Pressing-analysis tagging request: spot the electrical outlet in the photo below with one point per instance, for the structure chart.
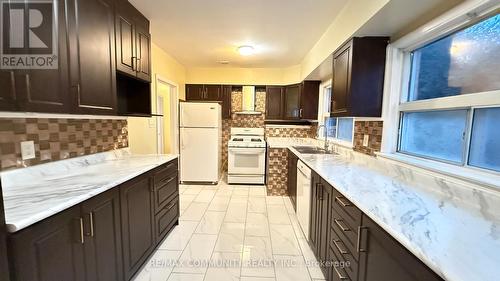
(151, 123)
(27, 150)
(366, 138)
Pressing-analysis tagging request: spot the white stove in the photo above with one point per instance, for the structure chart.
(247, 137)
(246, 156)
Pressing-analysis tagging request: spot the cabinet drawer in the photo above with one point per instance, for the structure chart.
(348, 234)
(166, 219)
(165, 190)
(346, 210)
(341, 251)
(164, 172)
(337, 269)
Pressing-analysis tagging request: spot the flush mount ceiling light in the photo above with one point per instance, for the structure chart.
(246, 50)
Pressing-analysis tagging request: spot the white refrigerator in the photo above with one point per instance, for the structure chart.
(200, 142)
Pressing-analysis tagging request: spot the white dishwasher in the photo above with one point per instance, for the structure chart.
(303, 196)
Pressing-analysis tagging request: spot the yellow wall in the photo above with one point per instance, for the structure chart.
(142, 131)
(243, 76)
(350, 19)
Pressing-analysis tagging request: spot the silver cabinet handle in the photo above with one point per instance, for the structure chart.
(341, 202)
(81, 231)
(358, 242)
(343, 228)
(138, 63)
(300, 113)
(134, 63)
(91, 217)
(341, 277)
(337, 244)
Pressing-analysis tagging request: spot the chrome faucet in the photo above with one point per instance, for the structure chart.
(326, 136)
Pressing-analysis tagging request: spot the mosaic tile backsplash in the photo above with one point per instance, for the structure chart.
(374, 130)
(57, 139)
(277, 171)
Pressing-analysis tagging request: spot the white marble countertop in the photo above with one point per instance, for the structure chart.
(453, 229)
(278, 142)
(35, 193)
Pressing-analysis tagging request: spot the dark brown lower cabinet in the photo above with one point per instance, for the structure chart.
(292, 178)
(105, 238)
(103, 248)
(352, 246)
(137, 223)
(4, 264)
(383, 258)
(319, 234)
(49, 250)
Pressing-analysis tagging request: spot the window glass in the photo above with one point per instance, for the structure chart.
(462, 63)
(331, 126)
(345, 129)
(434, 134)
(485, 141)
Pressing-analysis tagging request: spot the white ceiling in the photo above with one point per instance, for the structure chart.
(200, 33)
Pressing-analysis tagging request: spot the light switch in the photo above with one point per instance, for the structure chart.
(27, 150)
(366, 138)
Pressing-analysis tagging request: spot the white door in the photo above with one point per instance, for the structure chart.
(160, 127)
(198, 115)
(199, 155)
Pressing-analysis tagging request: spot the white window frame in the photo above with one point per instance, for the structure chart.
(396, 91)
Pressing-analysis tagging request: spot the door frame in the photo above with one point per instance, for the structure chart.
(174, 114)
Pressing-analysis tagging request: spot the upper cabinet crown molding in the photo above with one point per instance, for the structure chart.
(358, 77)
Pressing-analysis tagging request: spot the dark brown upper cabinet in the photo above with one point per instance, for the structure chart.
(42, 90)
(292, 102)
(309, 98)
(274, 102)
(358, 77)
(91, 29)
(133, 42)
(194, 92)
(204, 92)
(226, 101)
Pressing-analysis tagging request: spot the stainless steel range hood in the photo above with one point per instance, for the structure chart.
(248, 101)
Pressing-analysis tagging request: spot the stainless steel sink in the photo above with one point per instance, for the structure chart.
(311, 150)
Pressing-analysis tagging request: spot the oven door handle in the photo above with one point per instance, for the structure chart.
(247, 151)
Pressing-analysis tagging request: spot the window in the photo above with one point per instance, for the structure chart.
(452, 103)
(345, 129)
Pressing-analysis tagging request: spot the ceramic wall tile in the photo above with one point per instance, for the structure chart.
(57, 139)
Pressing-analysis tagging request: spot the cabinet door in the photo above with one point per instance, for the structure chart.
(4, 265)
(137, 213)
(315, 214)
(309, 98)
(8, 94)
(292, 178)
(274, 102)
(292, 102)
(49, 250)
(92, 56)
(143, 48)
(226, 101)
(43, 90)
(385, 259)
(194, 92)
(103, 250)
(325, 202)
(125, 39)
(341, 80)
(213, 92)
